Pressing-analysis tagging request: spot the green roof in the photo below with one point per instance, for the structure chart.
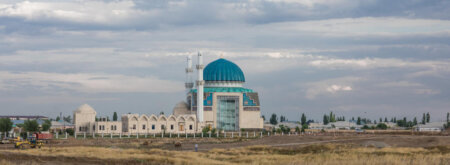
(224, 89)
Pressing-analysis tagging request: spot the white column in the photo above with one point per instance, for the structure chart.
(200, 84)
(189, 83)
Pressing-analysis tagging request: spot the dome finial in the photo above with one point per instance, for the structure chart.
(221, 55)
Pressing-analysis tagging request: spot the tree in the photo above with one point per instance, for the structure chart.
(70, 131)
(115, 116)
(264, 118)
(304, 126)
(381, 119)
(273, 119)
(303, 119)
(448, 117)
(424, 119)
(415, 121)
(385, 119)
(332, 117)
(5, 125)
(31, 125)
(381, 126)
(428, 117)
(161, 113)
(46, 125)
(282, 118)
(67, 119)
(353, 118)
(325, 120)
(358, 122)
(297, 129)
(395, 120)
(58, 118)
(365, 127)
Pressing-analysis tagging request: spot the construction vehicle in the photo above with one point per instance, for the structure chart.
(30, 142)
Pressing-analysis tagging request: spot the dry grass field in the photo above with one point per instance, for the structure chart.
(376, 149)
(311, 154)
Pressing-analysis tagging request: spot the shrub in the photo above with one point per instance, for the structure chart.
(213, 131)
(70, 131)
(297, 129)
(381, 126)
(205, 130)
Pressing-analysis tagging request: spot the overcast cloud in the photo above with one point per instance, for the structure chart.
(371, 58)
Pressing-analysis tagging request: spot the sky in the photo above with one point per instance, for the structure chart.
(369, 58)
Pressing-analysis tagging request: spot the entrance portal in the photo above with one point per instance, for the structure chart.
(228, 113)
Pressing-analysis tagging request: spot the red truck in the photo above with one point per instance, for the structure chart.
(43, 136)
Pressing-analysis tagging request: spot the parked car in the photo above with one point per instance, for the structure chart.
(359, 130)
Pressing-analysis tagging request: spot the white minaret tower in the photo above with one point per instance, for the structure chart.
(200, 84)
(189, 83)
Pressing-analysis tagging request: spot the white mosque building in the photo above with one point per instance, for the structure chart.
(224, 104)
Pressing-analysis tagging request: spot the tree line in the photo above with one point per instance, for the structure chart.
(331, 118)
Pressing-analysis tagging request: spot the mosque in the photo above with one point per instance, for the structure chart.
(223, 104)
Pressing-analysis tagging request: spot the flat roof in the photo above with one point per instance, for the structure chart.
(23, 116)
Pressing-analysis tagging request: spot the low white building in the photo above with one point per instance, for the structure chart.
(430, 127)
(84, 121)
(344, 125)
(107, 127)
(135, 123)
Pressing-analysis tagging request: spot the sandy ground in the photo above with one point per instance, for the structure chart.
(278, 141)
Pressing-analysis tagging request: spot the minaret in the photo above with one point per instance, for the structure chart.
(200, 84)
(189, 84)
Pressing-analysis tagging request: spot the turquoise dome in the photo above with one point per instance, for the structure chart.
(223, 70)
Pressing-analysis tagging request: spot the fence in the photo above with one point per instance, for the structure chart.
(249, 135)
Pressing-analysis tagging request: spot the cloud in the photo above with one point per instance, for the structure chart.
(371, 63)
(86, 82)
(412, 87)
(96, 12)
(330, 87)
(335, 88)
